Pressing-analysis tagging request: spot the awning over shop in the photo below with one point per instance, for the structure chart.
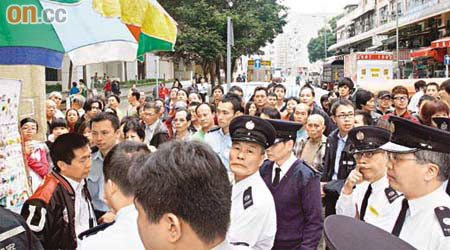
(436, 53)
(334, 59)
(441, 43)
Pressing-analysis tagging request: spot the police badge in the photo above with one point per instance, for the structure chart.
(250, 125)
(360, 136)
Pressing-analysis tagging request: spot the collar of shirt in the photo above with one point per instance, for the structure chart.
(340, 138)
(284, 167)
(153, 126)
(242, 185)
(380, 184)
(124, 212)
(96, 167)
(416, 205)
(77, 186)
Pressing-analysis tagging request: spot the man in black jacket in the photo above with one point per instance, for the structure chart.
(61, 207)
(338, 162)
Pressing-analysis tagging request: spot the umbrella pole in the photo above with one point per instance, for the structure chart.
(157, 77)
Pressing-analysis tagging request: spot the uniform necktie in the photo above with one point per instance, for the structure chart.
(401, 218)
(276, 180)
(364, 202)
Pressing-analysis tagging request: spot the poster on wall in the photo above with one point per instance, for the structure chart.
(14, 188)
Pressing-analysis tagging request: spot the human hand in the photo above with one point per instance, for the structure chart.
(355, 177)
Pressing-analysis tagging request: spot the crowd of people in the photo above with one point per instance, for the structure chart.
(157, 175)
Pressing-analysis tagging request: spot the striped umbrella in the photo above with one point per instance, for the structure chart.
(86, 35)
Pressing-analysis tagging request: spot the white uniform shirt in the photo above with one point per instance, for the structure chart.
(83, 209)
(123, 234)
(380, 212)
(253, 216)
(421, 228)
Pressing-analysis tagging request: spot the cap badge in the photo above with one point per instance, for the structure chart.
(360, 136)
(250, 125)
(444, 126)
(446, 221)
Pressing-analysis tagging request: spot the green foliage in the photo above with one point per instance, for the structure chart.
(53, 87)
(316, 46)
(202, 27)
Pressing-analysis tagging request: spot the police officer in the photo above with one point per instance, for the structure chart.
(444, 124)
(219, 138)
(419, 157)
(253, 215)
(15, 233)
(295, 187)
(366, 193)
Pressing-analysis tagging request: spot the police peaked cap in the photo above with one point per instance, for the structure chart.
(249, 128)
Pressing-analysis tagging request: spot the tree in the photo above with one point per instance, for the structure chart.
(202, 31)
(316, 46)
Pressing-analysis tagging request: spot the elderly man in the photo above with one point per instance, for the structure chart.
(419, 165)
(50, 107)
(253, 215)
(57, 98)
(312, 149)
(366, 194)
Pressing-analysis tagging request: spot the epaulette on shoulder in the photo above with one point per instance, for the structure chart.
(94, 230)
(443, 216)
(45, 191)
(214, 130)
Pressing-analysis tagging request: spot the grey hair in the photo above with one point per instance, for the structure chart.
(438, 158)
(55, 93)
(79, 99)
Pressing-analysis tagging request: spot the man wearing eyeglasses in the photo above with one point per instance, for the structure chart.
(338, 162)
(419, 165)
(400, 99)
(366, 194)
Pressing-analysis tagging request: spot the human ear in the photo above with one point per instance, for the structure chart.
(173, 225)
(431, 172)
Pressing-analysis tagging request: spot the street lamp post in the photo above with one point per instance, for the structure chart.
(397, 40)
(229, 44)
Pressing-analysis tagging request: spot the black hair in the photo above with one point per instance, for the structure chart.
(136, 126)
(74, 84)
(188, 114)
(247, 107)
(433, 84)
(186, 179)
(420, 84)
(217, 87)
(106, 116)
(259, 88)
(272, 113)
(424, 98)
(445, 85)
(72, 109)
(211, 107)
(136, 94)
(193, 104)
(235, 100)
(362, 96)
(346, 81)
(64, 146)
(323, 98)
(280, 86)
(307, 86)
(367, 119)
(292, 98)
(185, 91)
(115, 97)
(117, 163)
(88, 104)
(272, 94)
(340, 102)
(236, 88)
(28, 119)
(81, 126)
(58, 122)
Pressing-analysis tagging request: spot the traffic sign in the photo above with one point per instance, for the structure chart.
(447, 60)
(257, 63)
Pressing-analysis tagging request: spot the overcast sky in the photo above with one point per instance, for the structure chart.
(318, 6)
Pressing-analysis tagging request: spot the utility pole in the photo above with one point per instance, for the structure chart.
(397, 40)
(230, 43)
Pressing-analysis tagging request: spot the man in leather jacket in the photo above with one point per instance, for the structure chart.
(61, 207)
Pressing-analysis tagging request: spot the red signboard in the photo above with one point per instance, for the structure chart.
(441, 43)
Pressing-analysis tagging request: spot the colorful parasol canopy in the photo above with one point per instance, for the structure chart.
(85, 35)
